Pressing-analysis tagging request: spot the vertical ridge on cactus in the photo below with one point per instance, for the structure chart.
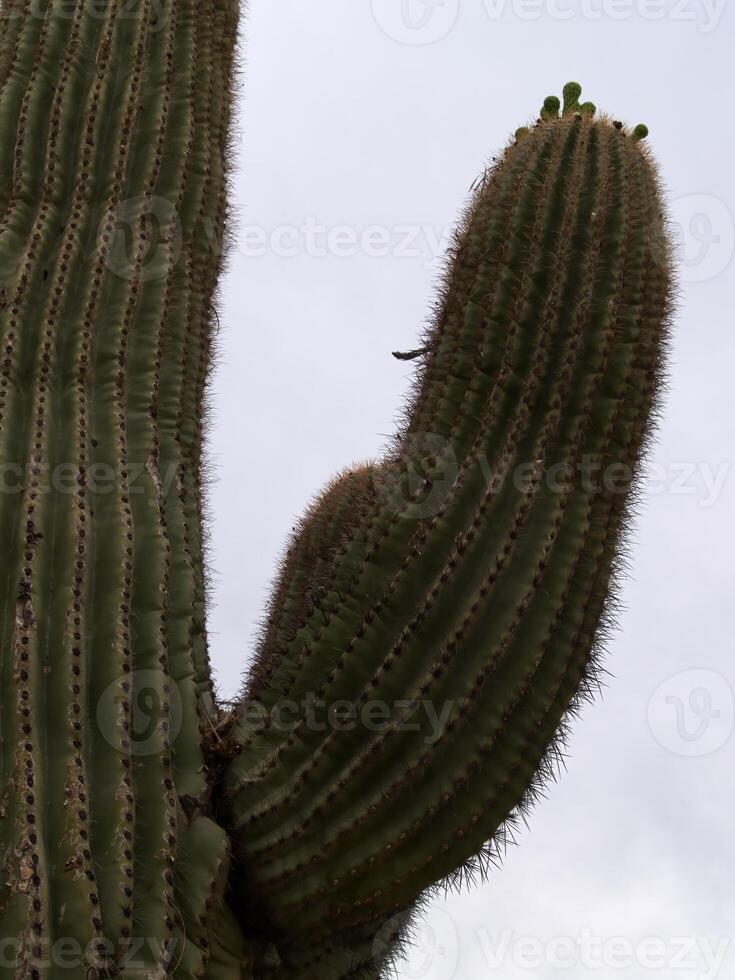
(437, 616)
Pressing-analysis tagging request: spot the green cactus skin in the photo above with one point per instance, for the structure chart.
(487, 595)
(114, 120)
(225, 845)
(308, 564)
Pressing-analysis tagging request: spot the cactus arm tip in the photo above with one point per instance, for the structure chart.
(572, 92)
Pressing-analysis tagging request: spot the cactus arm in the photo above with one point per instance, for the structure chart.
(308, 564)
(212, 944)
(547, 349)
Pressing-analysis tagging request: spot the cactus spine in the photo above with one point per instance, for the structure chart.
(447, 599)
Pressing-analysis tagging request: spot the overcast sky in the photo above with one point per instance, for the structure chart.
(360, 128)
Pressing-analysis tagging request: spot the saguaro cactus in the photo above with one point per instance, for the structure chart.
(438, 611)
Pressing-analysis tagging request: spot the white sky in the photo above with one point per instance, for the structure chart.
(351, 120)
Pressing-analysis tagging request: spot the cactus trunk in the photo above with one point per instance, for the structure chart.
(114, 122)
(439, 612)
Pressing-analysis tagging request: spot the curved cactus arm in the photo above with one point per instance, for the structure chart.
(112, 183)
(211, 942)
(427, 688)
(308, 563)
